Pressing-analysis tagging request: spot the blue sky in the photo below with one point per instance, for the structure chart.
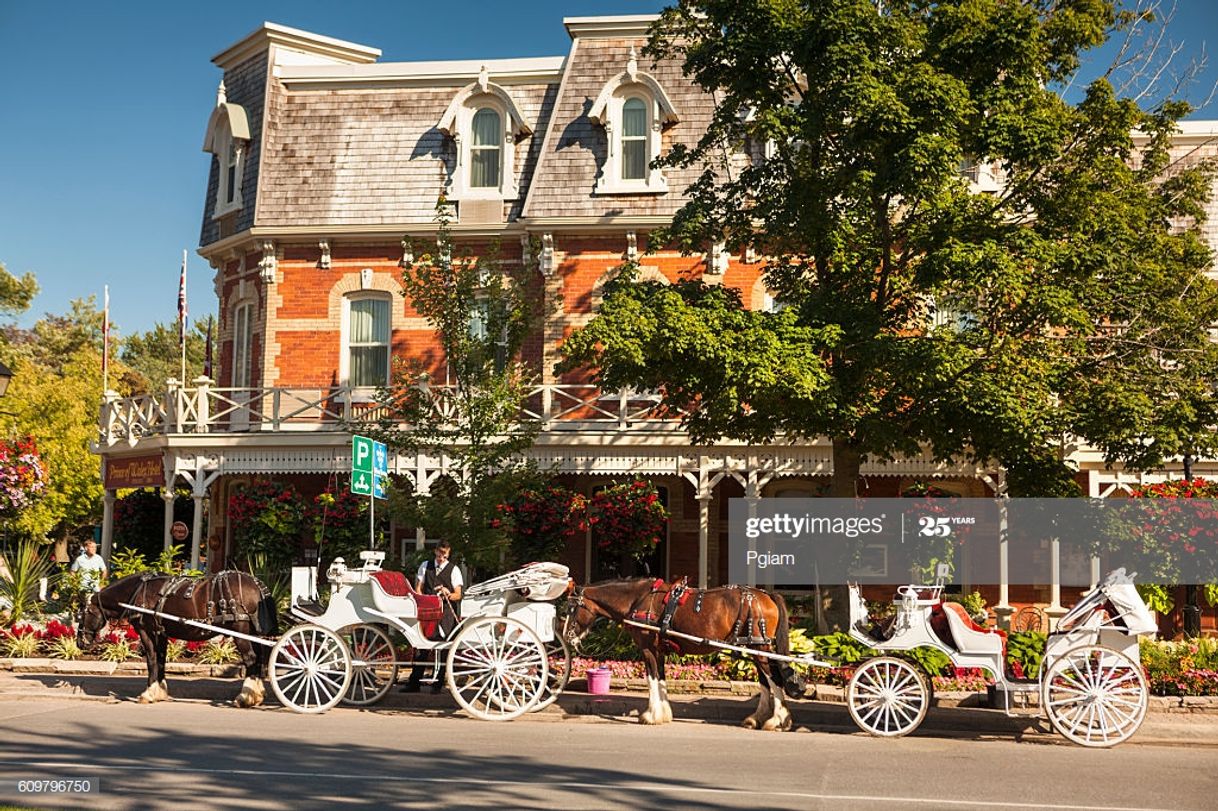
(101, 170)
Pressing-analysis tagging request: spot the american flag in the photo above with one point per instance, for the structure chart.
(182, 312)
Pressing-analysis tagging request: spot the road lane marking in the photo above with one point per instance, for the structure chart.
(562, 784)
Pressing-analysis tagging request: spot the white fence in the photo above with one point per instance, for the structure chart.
(206, 409)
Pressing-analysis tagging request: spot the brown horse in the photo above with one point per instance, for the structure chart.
(737, 615)
(232, 600)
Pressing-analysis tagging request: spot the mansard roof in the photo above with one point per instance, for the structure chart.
(345, 140)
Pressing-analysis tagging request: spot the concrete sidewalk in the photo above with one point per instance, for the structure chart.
(1190, 729)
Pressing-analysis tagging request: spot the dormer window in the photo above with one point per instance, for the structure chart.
(634, 139)
(486, 149)
(633, 108)
(228, 134)
(485, 125)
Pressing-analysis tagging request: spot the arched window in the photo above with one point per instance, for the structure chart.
(367, 341)
(634, 139)
(231, 154)
(241, 345)
(486, 149)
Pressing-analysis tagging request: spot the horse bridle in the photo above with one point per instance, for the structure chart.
(575, 602)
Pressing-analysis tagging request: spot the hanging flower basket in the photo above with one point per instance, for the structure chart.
(22, 475)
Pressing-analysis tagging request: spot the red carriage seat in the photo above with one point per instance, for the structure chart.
(429, 607)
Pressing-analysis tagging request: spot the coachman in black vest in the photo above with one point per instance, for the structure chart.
(439, 576)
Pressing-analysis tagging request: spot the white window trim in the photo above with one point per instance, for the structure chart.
(607, 111)
(243, 370)
(228, 126)
(362, 393)
(457, 122)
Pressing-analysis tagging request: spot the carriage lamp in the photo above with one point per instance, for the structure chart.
(6, 375)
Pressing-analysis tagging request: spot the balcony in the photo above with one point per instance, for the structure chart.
(206, 409)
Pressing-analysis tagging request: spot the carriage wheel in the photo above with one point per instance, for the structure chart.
(1095, 696)
(558, 654)
(310, 668)
(373, 661)
(887, 697)
(497, 668)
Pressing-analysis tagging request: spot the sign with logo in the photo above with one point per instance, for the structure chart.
(135, 471)
(179, 531)
(369, 466)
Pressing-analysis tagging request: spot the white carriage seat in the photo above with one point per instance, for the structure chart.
(392, 594)
(969, 638)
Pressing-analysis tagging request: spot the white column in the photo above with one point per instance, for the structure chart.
(196, 524)
(167, 496)
(107, 543)
(704, 500)
(1003, 610)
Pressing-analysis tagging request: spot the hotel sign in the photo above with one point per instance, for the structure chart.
(135, 471)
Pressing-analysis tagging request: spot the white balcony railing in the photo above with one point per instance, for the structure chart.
(207, 409)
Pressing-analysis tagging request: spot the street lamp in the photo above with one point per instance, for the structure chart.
(6, 374)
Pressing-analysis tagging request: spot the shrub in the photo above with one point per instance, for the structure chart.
(64, 647)
(340, 526)
(175, 650)
(219, 652)
(540, 520)
(1025, 650)
(19, 579)
(117, 651)
(1188, 668)
(268, 519)
(22, 646)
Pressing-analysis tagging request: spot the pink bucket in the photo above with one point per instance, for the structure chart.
(598, 680)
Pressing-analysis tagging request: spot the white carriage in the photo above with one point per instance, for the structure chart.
(1091, 684)
(503, 658)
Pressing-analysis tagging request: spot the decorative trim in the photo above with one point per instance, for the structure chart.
(324, 261)
(456, 123)
(407, 253)
(717, 259)
(267, 34)
(632, 247)
(269, 263)
(545, 258)
(607, 112)
(622, 25)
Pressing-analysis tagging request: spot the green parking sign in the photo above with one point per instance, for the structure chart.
(369, 466)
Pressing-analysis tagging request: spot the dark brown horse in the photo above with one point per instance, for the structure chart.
(737, 615)
(232, 600)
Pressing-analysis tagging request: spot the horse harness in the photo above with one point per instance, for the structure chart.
(749, 629)
(228, 608)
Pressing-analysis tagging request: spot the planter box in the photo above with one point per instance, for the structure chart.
(84, 667)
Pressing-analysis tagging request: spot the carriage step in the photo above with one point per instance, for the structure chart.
(312, 608)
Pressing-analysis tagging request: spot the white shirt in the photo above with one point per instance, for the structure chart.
(93, 567)
(458, 581)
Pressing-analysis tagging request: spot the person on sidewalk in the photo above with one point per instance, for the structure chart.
(438, 576)
(94, 568)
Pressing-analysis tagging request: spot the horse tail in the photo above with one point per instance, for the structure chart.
(792, 682)
(268, 613)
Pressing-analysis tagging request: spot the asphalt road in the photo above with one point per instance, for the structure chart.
(200, 754)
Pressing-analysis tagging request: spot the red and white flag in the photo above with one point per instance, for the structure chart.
(182, 312)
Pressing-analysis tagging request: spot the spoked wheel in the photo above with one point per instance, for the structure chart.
(310, 668)
(887, 697)
(558, 655)
(1095, 696)
(374, 665)
(497, 668)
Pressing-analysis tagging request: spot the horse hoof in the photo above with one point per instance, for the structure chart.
(749, 723)
(648, 719)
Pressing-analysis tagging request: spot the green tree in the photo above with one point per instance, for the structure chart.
(16, 293)
(54, 397)
(482, 310)
(919, 312)
(155, 356)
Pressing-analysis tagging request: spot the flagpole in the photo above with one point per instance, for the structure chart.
(182, 316)
(106, 341)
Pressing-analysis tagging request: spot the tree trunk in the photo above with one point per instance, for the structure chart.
(846, 462)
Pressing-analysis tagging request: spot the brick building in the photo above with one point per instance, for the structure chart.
(326, 165)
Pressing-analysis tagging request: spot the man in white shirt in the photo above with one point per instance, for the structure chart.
(92, 565)
(440, 576)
